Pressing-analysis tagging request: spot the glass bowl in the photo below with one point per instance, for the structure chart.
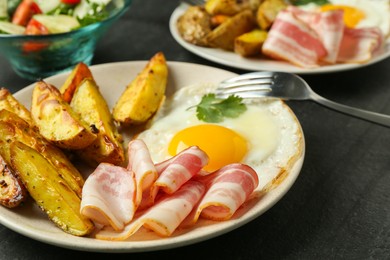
(38, 56)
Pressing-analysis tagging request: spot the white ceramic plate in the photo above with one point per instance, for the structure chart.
(258, 64)
(112, 79)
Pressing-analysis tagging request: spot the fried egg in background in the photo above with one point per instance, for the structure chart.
(359, 13)
(267, 136)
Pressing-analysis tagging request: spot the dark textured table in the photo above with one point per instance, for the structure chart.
(339, 207)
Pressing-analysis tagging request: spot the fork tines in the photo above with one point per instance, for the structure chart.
(246, 85)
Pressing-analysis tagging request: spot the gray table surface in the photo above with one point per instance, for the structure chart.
(338, 208)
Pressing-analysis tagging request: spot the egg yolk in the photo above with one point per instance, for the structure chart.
(352, 16)
(222, 145)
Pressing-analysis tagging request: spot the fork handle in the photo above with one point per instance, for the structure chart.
(356, 112)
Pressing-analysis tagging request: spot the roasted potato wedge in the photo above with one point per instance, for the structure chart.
(226, 7)
(12, 190)
(56, 120)
(249, 44)
(13, 128)
(48, 189)
(89, 103)
(224, 35)
(267, 12)
(8, 102)
(79, 73)
(144, 95)
(194, 25)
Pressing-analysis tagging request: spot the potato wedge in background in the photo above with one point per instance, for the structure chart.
(143, 96)
(249, 44)
(267, 12)
(224, 35)
(12, 190)
(89, 103)
(226, 7)
(14, 128)
(49, 190)
(78, 74)
(194, 25)
(8, 102)
(56, 120)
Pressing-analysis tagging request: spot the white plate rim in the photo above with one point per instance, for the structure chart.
(50, 234)
(258, 64)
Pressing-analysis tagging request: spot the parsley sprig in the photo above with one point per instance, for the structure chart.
(213, 110)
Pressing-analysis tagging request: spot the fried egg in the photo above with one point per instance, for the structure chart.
(360, 13)
(267, 136)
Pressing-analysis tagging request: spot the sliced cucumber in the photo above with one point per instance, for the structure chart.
(3, 9)
(58, 23)
(11, 28)
(47, 5)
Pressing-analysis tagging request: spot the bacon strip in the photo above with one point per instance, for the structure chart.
(165, 216)
(358, 45)
(293, 40)
(178, 170)
(227, 189)
(108, 196)
(140, 162)
(329, 27)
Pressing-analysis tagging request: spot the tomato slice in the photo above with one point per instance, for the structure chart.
(25, 10)
(35, 28)
(71, 2)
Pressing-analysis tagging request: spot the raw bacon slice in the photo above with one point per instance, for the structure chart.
(292, 40)
(329, 27)
(227, 189)
(108, 196)
(165, 216)
(140, 162)
(359, 44)
(178, 170)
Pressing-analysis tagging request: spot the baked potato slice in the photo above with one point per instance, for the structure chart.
(194, 25)
(13, 128)
(144, 95)
(48, 189)
(56, 120)
(224, 35)
(12, 190)
(250, 43)
(8, 102)
(89, 103)
(226, 7)
(78, 74)
(267, 12)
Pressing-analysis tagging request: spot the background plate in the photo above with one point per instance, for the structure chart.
(234, 60)
(112, 79)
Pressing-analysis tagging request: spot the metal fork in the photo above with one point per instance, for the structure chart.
(288, 86)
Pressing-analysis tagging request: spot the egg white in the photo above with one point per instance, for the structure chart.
(274, 136)
(377, 12)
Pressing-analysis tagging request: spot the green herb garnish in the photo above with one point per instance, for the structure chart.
(213, 110)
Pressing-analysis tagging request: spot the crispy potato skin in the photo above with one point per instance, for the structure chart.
(89, 103)
(143, 96)
(13, 128)
(56, 120)
(8, 102)
(79, 73)
(48, 189)
(224, 35)
(12, 190)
